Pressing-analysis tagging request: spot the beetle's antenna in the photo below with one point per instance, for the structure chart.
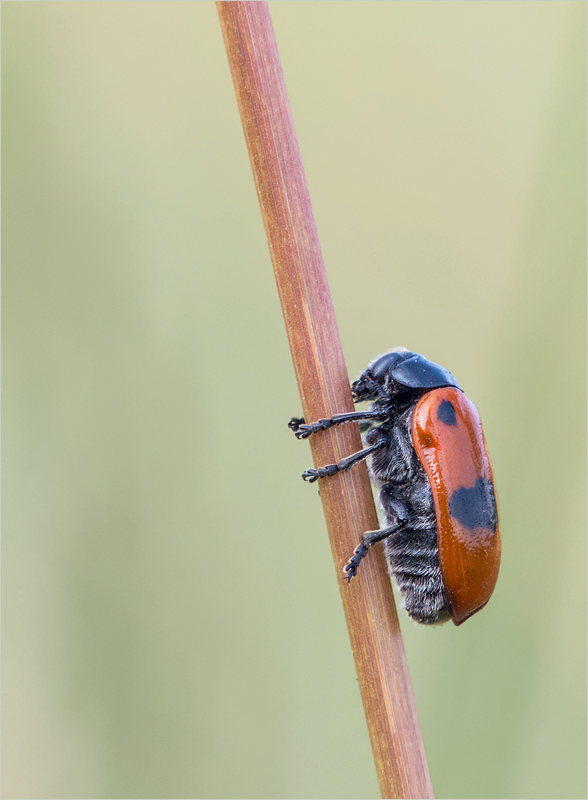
(323, 383)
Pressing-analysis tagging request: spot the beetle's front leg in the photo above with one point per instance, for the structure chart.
(303, 431)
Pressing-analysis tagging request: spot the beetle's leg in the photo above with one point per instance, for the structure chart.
(312, 475)
(302, 431)
(370, 538)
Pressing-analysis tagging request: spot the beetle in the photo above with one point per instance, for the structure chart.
(428, 458)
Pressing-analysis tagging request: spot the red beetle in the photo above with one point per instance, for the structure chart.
(436, 488)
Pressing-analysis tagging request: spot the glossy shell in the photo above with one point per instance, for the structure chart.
(449, 441)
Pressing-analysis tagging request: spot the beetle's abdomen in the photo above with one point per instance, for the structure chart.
(449, 442)
(411, 550)
(413, 561)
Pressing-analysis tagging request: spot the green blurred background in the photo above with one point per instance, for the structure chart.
(161, 637)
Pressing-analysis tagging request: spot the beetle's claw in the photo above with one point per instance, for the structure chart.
(350, 569)
(295, 423)
(310, 475)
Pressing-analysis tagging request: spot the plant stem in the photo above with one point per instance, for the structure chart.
(323, 383)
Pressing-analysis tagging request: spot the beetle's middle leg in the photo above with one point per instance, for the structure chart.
(312, 475)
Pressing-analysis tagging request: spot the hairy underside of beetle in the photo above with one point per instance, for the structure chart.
(411, 548)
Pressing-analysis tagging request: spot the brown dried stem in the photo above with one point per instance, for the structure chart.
(323, 383)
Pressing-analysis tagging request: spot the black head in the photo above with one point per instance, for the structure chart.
(399, 369)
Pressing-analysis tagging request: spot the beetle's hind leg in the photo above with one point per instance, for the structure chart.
(370, 538)
(312, 475)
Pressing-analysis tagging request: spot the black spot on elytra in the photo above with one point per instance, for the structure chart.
(475, 507)
(446, 413)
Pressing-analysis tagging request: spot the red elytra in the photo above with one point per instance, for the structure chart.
(456, 461)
